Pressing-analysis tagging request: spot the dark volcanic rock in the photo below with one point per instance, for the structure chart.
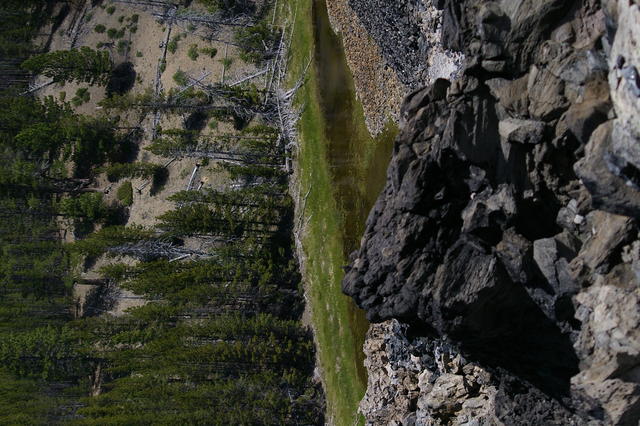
(485, 237)
(601, 173)
(400, 40)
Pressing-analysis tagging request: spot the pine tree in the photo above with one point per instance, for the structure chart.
(83, 65)
(49, 353)
(118, 171)
(88, 206)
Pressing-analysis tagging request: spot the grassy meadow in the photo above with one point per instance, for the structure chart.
(330, 228)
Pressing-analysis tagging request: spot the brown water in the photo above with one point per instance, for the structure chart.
(358, 162)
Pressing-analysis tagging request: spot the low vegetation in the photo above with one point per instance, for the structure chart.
(209, 51)
(172, 47)
(82, 96)
(192, 53)
(217, 334)
(180, 77)
(125, 193)
(83, 65)
(339, 327)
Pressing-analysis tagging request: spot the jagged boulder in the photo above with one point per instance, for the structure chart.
(507, 230)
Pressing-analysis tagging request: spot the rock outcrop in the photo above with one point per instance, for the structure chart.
(377, 85)
(392, 48)
(502, 259)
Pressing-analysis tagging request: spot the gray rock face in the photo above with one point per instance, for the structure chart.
(521, 131)
(506, 234)
(398, 39)
(427, 381)
(408, 34)
(603, 174)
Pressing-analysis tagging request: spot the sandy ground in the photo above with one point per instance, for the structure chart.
(377, 86)
(142, 36)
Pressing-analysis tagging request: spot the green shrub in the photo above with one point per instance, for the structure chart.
(139, 54)
(111, 9)
(193, 52)
(112, 33)
(163, 66)
(120, 33)
(125, 193)
(82, 96)
(133, 29)
(121, 19)
(134, 18)
(173, 44)
(63, 96)
(209, 51)
(180, 77)
(122, 46)
(226, 62)
(83, 92)
(99, 28)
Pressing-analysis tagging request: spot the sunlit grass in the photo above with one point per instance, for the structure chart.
(322, 242)
(339, 327)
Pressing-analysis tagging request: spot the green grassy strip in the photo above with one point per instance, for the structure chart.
(339, 330)
(323, 241)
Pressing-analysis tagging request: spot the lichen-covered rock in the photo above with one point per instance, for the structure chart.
(409, 35)
(609, 343)
(426, 381)
(392, 48)
(506, 234)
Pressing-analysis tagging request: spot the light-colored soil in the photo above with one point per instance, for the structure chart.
(81, 294)
(144, 50)
(377, 86)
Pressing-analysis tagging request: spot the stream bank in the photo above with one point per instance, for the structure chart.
(357, 162)
(339, 174)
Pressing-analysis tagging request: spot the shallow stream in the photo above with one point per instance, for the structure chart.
(358, 162)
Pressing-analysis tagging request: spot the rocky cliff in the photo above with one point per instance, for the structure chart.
(392, 48)
(501, 262)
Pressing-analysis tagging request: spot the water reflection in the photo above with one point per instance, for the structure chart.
(357, 162)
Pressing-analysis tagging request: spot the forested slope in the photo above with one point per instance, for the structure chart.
(215, 337)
